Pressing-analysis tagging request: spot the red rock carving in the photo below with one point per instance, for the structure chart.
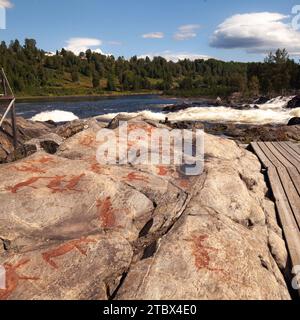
(42, 160)
(87, 141)
(202, 253)
(64, 249)
(162, 171)
(28, 168)
(134, 176)
(106, 213)
(13, 278)
(148, 128)
(58, 184)
(184, 183)
(23, 184)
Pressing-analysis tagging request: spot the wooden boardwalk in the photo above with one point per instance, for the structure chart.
(282, 161)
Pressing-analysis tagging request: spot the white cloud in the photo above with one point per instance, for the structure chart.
(176, 56)
(6, 4)
(186, 32)
(78, 45)
(153, 35)
(257, 33)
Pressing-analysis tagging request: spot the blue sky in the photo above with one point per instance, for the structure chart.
(172, 28)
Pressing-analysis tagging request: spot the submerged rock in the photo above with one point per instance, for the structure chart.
(294, 103)
(177, 107)
(262, 100)
(294, 121)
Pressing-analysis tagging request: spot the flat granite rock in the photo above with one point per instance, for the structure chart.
(88, 268)
(72, 228)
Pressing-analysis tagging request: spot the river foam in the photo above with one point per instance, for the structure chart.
(273, 111)
(55, 115)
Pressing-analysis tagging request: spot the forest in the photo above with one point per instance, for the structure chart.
(34, 72)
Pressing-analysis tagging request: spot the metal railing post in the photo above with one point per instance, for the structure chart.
(11, 107)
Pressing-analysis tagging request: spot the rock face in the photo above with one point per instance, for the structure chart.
(219, 249)
(294, 103)
(71, 227)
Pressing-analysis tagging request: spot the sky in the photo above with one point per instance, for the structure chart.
(227, 30)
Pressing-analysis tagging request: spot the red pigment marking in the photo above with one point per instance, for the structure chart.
(106, 213)
(149, 129)
(133, 176)
(72, 184)
(42, 160)
(162, 171)
(13, 278)
(87, 141)
(55, 183)
(202, 252)
(184, 183)
(58, 184)
(64, 249)
(27, 183)
(202, 259)
(29, 168)
(95, 167)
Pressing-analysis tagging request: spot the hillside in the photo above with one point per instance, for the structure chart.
(34, 72)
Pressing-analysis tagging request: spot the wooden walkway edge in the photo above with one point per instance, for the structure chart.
(282, 161)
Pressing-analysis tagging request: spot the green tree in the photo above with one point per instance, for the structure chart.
(75, 75)
(111, 84)
(254, 86)
(96, 80)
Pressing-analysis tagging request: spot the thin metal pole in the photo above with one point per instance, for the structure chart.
(11, 107)
(14, 124)
(7, 111)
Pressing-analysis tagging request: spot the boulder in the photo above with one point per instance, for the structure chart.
(294, 103)
(48, 143)
(262, 100)
(294, 121)
(71, 128)
(218, 102)
(26, 130)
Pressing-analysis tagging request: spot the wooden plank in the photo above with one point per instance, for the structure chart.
(263, 158)
(291, 193)
(284, 161)
(288, 222)
(295, 176)
(290, 153)
(294, 147)
(275, 162)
